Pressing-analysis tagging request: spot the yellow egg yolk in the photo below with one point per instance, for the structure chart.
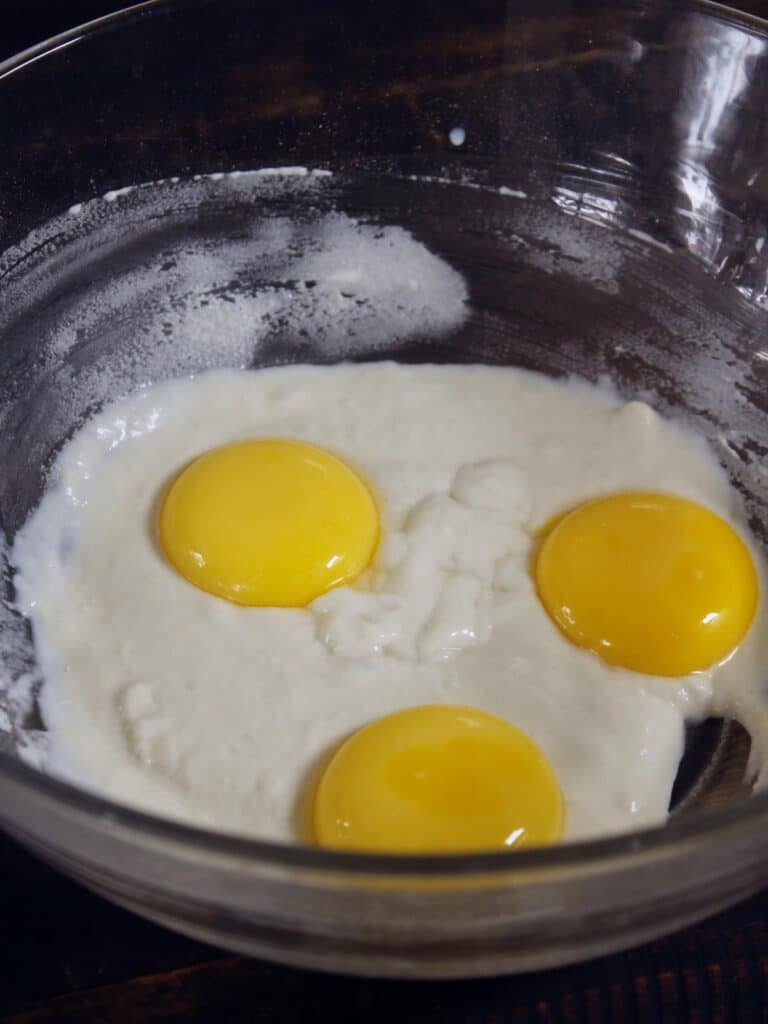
(438, 779)
(650, 582)
(269, 522)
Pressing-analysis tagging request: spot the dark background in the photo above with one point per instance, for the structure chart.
(67, 956)
(26, 23)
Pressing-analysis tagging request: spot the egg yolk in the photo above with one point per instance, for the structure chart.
(269, 522)
(650, 582)
(438, 779)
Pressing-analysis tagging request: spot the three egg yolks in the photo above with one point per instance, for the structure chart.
(650, 582)
(269, 522)
(438, 779)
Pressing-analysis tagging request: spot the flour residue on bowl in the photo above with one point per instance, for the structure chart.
(170, 278)
(174, 278)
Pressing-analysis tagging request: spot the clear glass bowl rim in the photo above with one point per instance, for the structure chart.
(705, 826)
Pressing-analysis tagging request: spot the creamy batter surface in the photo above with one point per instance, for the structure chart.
(168, 698)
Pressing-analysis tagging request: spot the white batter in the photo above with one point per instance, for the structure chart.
(165, 697)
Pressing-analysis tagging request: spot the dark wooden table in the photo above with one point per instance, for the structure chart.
(68, 956)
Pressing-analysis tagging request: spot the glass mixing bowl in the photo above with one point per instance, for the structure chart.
(599, 175)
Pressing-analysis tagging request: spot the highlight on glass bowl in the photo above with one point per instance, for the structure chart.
(383, 523)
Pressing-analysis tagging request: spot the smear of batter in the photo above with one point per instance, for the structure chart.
(163, 696)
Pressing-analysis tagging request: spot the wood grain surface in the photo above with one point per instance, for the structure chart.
(68, 956)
